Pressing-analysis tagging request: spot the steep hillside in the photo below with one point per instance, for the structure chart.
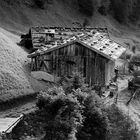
(15, 79)
(12, 65)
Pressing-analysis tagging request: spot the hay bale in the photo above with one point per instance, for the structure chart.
(41, 75)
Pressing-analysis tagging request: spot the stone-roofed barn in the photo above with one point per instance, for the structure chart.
(89, 50)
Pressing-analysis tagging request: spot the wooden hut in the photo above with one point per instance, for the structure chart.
(91, 53)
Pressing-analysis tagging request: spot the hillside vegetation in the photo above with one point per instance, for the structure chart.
(18, 16)
(75, 112)
(121, 17)
(15, 78)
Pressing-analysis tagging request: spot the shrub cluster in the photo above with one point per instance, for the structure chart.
(134, 15)
(72, 116)
(104, 7)
(77, 113)
(86, 7)
(40, 3)
(126, 10)
(73, 110)
(26, 41)
(119, 9)
(121, 126)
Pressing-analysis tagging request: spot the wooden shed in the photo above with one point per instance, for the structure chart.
(92, 54)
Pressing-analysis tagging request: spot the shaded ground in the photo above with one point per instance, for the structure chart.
(133, 109)
(18, 110)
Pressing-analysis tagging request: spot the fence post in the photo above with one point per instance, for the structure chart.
(116, 99)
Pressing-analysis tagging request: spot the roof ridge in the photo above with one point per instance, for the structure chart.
(97, 41)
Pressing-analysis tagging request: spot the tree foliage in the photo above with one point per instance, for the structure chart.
(104, 7)
(86, 7)
(135, 11)
(26, 41)
(64, 113)
(126, 10)
(77, 114)
(75, 81)
(40, 3)
(73, 112)
(121, 126)
(120, 10)
(95, 125)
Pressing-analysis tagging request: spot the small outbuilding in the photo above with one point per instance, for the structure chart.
(88, 50)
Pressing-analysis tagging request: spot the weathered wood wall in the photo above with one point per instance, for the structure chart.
(62, 61)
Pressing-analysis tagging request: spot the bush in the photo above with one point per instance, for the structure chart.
(95, 125)
(86, 7)
(40, 3)
(134, 15)
(64, 113)
(26, 41)
(80, 115)
(74, 82)
(69, 114)
(76, 109)
(104, 7)
(120, 10)
(102, 10)
(126, 10)
(121, 126)
(86, 23)
(44, 99)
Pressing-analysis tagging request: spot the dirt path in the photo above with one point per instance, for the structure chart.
(133, 109)
(132, 112)
(21, 109)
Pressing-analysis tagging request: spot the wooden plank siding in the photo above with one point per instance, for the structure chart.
(63, 61)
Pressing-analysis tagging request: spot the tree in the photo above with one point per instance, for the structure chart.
(104, 7)
(40, 3)
(134, 15)
(120, 10)
(86, 23)
(74, 82)
(86, 7)
(26, 41)
(121, 126)
(64, 113)
(95, 125)
(72, 115)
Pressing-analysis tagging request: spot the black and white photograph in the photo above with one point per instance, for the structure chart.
(69, 69)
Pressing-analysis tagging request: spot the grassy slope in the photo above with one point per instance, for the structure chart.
(15, 79)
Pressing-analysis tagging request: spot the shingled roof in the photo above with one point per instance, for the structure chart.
(96, 39)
